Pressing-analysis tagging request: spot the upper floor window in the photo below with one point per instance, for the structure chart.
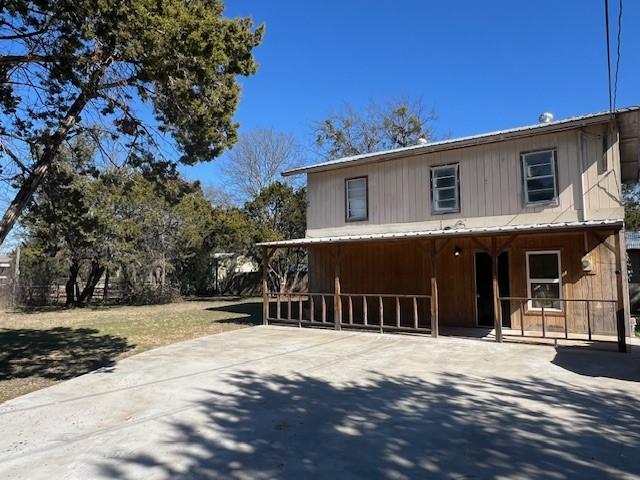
(539, 175)
(356, 197)
(445, 183)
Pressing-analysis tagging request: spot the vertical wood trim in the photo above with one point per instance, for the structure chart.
(589, 319)
(324, 309)
(350, 310)
(625, 282)
(620, 316)
(364, 309)
(311, 308)
(581, 175)
(497, 310)
(265, 292)
(434, 290)
(337, 306)
(299, 310)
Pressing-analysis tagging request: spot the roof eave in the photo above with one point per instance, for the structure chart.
(502, 230)
(465, 142)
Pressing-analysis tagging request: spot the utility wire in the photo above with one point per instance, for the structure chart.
(615, 82)
(606, 26)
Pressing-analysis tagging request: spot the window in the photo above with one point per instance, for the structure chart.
(444, 189)
(539, 174)
(543, 280)
(356, 196)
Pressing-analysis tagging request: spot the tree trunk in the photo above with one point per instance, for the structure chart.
(92, 281)
(51, 148)
(164, 270)
(70, 286)
(105, 291)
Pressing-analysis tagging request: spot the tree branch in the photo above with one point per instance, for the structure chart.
(14, 157)
(20, 36)
(18, 59)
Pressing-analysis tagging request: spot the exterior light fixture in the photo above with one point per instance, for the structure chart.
(457, 251)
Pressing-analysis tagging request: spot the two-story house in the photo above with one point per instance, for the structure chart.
(518, 230)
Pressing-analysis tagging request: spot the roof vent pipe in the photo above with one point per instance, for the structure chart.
(546, 117)
(422, 140)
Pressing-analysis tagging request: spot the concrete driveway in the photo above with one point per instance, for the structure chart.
(277, 402)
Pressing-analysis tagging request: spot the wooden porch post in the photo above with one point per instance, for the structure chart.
(337, 304)
(265, 291)
(620, 315)
(434, 290)
(497, 310)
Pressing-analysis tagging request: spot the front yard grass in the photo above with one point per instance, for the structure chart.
(41, 347)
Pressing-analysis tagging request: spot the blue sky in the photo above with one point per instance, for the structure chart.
(483, 65)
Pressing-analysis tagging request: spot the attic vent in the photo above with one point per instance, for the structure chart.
(546, 117)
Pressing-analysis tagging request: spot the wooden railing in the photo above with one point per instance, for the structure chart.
(409, 313)
(413, 313)
(538, 317)
(291, 307)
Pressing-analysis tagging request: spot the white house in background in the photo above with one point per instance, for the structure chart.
(5, 266)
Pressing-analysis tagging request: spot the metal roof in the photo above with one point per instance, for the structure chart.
(632, 240)
(537, 129)
(441, 233)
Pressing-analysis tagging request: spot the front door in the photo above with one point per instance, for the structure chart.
(484, 288)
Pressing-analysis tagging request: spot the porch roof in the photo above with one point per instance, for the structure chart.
(505, 229)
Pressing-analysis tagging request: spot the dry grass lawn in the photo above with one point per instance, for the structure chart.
(41, 347)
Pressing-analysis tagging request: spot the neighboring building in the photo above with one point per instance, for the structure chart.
(227, 266)
(5, 267)
(632, 240)
(419, 232)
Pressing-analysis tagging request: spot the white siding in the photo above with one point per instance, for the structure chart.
(490, 187)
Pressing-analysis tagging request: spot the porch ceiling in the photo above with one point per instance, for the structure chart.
(530, 228)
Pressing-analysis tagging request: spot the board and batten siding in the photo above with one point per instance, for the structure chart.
(491, 187)
(402, 267)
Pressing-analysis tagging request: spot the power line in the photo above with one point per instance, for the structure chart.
(615, 82)
(606, 26)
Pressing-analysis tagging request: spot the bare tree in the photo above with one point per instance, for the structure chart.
(217, 195)
(397, 123)
(257, 160)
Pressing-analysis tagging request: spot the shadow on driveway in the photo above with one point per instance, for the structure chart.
(452, 426)
(621, 366)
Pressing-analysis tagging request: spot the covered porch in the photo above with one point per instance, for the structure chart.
(462, 282)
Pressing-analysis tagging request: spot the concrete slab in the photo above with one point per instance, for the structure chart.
(282, 402)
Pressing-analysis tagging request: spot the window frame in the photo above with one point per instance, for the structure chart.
(557, 281)
(456, 209)
(366, 199)
(525, 190)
